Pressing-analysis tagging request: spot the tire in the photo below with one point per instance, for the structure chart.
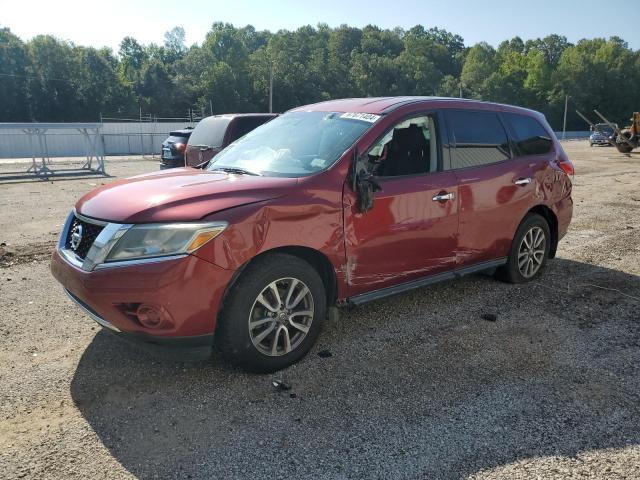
(252, 299)
(591, 144)
(512, 271)
(624, 147)
(621, 144)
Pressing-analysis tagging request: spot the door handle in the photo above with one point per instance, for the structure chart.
(522, 181)
(443, 197)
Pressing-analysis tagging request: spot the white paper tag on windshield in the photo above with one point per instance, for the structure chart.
(365, 117)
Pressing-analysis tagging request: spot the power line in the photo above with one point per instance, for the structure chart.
(36, 76)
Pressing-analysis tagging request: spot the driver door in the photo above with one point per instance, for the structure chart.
(411, 230)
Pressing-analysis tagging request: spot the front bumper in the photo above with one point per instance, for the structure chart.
(188, 289)
(178, 348)
(171, 163)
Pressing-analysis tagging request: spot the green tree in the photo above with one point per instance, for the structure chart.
(342, 42)
(53, 80)
(132, 58)
(49, 79)
(98, 88)
(174, 44)
(14, 67)
(480, 63)
(597, 74)
(551, 46)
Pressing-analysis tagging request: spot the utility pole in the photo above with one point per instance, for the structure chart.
(564, 123)
(270, 87)
(141, 136)
(211, 106)
(460, 89)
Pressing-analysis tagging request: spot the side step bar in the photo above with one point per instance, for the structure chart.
(421, 282)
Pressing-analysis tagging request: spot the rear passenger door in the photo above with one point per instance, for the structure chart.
(492, 197)
(535, 148)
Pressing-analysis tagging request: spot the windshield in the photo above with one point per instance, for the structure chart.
(604, 128)
(295, 144)
(210, 131)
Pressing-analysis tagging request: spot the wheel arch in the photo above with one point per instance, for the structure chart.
(316, 259)
(552, 220)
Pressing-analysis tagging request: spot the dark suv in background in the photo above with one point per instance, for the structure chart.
(212, 134)
(602, 134)
(173, 148)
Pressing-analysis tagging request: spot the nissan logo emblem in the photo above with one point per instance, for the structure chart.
(76, 237)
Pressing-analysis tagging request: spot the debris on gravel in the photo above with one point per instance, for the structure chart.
(16, 254)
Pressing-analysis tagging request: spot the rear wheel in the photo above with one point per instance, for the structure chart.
(529, 251)
(273, 314)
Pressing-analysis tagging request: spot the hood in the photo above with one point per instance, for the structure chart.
(182, 194)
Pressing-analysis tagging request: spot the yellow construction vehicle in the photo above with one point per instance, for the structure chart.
(629, 137)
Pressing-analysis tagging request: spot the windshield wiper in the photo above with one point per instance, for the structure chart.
(203, 148)
(238, 170)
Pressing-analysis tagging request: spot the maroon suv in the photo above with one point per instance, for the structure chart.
(340, 202)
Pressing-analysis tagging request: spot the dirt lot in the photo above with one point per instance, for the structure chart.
(418, 386)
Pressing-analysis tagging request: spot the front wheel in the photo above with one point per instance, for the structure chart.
(273, 314)
(529, 251)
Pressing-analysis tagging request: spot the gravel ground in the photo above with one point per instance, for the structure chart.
(417, 386)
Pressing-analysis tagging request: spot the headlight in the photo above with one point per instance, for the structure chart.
(162, 239)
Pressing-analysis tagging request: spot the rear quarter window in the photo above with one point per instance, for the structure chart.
(243, 125)
(479, 138)
(210, 131)
(530, 137)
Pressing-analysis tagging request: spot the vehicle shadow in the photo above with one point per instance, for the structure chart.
(418, 385)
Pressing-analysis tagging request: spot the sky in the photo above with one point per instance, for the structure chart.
(106, 22)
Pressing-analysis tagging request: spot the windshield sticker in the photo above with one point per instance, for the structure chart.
(365, 117)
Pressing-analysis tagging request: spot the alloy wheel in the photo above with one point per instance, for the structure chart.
(531, 252)
(281, 316)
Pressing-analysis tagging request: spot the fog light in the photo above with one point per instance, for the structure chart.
(153, 316)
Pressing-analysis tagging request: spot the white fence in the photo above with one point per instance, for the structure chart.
(119, 138)
(573, 135)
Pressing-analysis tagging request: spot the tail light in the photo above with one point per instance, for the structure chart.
(566, 166)
(180, 147)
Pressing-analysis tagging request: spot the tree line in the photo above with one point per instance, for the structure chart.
(48, 79)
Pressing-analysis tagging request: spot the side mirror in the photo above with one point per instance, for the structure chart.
(366, 186)
(363, 183)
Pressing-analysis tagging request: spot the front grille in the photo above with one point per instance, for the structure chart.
(90, 232)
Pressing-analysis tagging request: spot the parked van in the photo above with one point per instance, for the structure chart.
(212, 134)
(336, 203)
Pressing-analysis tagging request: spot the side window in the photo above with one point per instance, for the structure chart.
(479, 138)
(530, 137)
(409, 148)
(244, 125)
